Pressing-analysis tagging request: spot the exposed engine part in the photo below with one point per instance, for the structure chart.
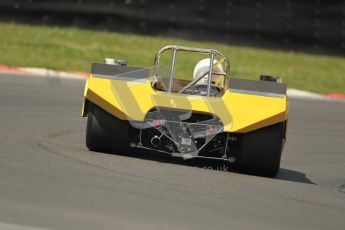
(155, 141)
(186, 134)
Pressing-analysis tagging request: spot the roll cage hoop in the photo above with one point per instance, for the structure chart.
(211, 52)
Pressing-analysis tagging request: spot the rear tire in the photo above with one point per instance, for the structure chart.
(260, 150)
(105, 132)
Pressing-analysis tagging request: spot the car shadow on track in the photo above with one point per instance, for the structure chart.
(291, 175)
(215, 165)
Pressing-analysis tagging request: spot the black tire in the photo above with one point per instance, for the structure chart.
(105, 132)
(260, 151)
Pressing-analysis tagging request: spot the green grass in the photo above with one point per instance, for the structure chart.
(75, 49)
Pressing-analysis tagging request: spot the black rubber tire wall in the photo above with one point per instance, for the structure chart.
(260, 151)
(105, 132)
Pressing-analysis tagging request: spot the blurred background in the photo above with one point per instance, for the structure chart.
(309, 25)
(260, 36)
(49, 179)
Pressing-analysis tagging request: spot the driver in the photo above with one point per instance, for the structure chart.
(203, 67)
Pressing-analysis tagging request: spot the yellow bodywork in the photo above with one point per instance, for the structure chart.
(132, 100)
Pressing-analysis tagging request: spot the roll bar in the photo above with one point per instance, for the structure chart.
(212, 54)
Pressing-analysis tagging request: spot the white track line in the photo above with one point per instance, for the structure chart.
(9, 226)
(296, 93)
(47, 73)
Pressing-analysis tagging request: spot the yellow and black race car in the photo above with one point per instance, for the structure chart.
(208, 115)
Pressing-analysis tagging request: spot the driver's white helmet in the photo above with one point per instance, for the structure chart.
(203, 66)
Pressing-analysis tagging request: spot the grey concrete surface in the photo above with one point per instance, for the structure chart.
(49, 180)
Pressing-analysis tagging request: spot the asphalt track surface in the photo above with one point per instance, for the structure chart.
(49, 180)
